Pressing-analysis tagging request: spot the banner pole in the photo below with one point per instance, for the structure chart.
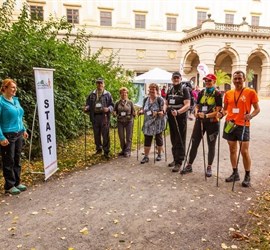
(31, 140)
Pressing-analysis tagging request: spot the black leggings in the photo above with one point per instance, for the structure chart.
(148, 140)
(211, 129)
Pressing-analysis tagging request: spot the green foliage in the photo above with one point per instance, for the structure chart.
(250, 75)
(52, 44)
(222, 78)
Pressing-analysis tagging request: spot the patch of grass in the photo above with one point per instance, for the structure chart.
(76, 154)
(258, 228)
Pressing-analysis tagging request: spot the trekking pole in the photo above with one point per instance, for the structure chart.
(114, 140)
(154, 148)
(238, 157)
(204, 165)
(189, 146)
(178, 130)
(154, 137)
(140, 125)
(84, 138)
(165, 147)
(138, 128)
(218, 151)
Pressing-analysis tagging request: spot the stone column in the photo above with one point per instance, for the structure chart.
(264, 87)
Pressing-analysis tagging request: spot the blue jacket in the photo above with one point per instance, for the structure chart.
(11, 116)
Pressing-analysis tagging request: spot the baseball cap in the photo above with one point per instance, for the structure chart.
(176, 73)
(100, 80)
(210, 77)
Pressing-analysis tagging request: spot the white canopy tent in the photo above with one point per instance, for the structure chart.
(155, 75)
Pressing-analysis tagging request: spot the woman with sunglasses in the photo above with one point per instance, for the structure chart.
(209, 103)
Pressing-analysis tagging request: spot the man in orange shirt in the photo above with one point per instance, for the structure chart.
(237, 106)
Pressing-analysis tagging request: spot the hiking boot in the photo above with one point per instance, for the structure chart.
(145, 159)
(186, 170)
(172, 164)
(13, 191)
(246, 181)
(98, 152)
(233, 177)
(126, 155)
(176, 168)
(158, 158)
(21, 187)
(208, 171)
(106, 156)
(121, 154)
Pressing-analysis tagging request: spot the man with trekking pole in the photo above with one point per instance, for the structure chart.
(238, 104)
(178, 103)
(100, 105)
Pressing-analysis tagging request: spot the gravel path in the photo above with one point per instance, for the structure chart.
(123, 204)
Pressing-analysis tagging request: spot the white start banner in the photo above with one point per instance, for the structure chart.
(45, 102)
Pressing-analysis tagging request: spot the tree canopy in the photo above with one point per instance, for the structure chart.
(26, 43)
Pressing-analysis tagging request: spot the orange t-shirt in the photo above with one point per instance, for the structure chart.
(242, 101)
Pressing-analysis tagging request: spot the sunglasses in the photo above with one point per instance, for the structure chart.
(176, 77)
(207, 80)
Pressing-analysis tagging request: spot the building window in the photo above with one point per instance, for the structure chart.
(201, 16)
(105, 18)
(171, 23)
(37, 12)
(229, 18)
(255, 20)
(139, 21)
(73, 16)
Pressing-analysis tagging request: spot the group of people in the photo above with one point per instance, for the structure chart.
(239, 106)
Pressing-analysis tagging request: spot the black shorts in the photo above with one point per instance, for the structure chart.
(148, 140)
(237, 134)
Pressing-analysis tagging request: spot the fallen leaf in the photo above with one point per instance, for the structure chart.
(239, 236)
(224, 246)
(63, 238)
(148, 220)
(204, 240)
(84, 231)
(34, 213)
(234, 247)
(254, 214)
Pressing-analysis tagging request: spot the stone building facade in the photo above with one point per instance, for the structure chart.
(172, 34)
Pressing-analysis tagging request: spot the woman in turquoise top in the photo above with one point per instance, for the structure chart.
(12, 134)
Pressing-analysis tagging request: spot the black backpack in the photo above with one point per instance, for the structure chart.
(188, 85)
